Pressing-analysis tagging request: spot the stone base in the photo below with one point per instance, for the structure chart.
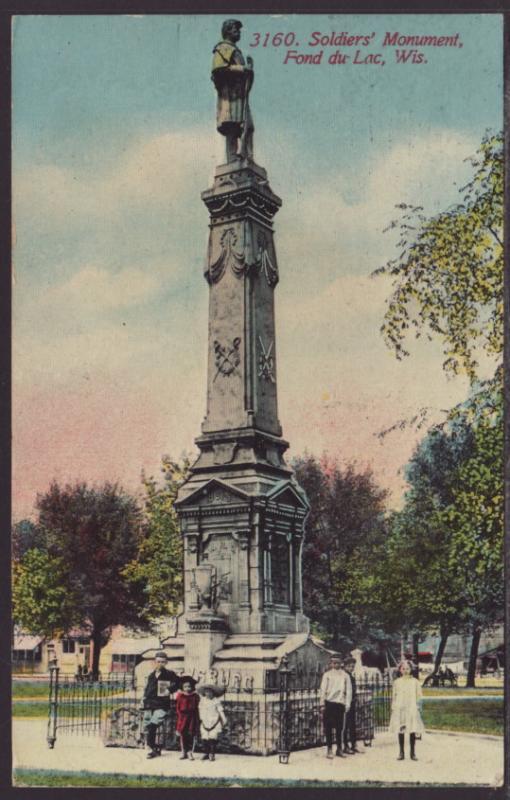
(205, 636)
(243, 662)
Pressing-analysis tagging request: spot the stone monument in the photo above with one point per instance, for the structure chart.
(241, 511)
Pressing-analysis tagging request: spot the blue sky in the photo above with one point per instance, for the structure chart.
(113, 141)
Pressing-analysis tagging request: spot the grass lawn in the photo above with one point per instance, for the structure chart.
(469, 716)
(490, 690)
(36, 777)
(27, 689)
(35, 709)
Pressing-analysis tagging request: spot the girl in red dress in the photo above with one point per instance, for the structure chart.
(188, 721)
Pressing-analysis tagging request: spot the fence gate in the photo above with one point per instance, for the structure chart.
(81, 706)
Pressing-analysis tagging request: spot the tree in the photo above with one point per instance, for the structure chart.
(26, 535)
(442, 564)
(90, 535)
(475, 524)
(342, 530)
(41, 601)
(418, 584)
(448, 276)
(448, 284)
(158, 565)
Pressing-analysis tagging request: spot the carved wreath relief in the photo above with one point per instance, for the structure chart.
(227, 357)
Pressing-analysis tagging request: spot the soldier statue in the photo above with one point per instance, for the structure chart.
(233, 79)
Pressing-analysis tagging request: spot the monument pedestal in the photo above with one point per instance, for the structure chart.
(205, 636)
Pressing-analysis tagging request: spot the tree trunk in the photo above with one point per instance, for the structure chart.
(473, 656)
(416, 644)
(440, 651)
(97, 644)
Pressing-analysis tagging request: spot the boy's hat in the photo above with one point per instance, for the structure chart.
(212, 687)
(187, 679)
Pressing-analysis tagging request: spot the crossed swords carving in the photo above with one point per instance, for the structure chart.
(266, 362)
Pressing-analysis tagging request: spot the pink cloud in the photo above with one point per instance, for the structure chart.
(93, 435)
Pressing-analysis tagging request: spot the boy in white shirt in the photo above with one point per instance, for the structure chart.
(335, 700)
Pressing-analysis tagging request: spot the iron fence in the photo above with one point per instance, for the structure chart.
(283, 717)
(82, 705)
(301, 718)
(253, 724)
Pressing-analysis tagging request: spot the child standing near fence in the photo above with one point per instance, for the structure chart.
(188, 722)
(350, 716)
(335, 700)
(405, 710)
(212, 718)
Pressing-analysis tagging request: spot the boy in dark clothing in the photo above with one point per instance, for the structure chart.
(161, 684)
(350, 717)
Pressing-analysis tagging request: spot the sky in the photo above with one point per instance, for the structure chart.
(114, 139)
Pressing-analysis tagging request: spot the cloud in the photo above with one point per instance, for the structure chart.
(336, 225)
(158, 172)
(137, 351)
(120, 344)
(96, 287)
(85, 322)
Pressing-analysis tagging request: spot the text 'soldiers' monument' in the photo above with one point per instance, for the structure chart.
(241, 511)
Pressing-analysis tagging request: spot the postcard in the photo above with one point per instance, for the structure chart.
(257, 400)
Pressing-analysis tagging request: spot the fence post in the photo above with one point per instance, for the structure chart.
(283, 745)
(53, 701)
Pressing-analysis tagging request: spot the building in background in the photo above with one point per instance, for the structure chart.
(31, 654)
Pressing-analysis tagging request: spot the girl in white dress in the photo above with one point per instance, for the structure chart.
(405, 709)
(212, 718)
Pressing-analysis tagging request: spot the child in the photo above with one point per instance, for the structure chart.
(188, 723)
(335, 700)
(405, 709)
(212, 718)
(350, 716)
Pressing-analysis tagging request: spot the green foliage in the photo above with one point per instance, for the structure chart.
(158, 565)
(448, 276)
(442, 563)
(94, 532)
(97, 560)
(475, 525)
(343, 531)
(417, 583)
(41, 601)
(85, 536)
(26, 535)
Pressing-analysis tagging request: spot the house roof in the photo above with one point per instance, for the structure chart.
(26, 642)
(133, 646)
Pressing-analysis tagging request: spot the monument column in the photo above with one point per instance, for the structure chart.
(241, 502)
(241, 510)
